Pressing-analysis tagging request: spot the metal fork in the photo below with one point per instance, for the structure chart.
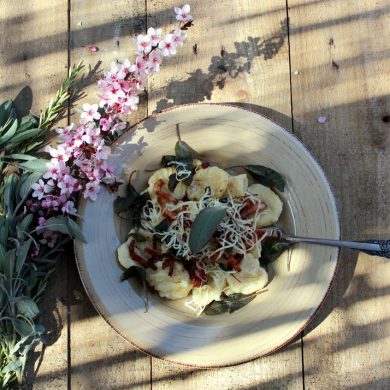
(372, 247)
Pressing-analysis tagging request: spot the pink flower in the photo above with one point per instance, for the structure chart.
(155, 35)
(105, 123)
(90, 113)
(66, 185)
(50, 202)
(49, 238)
(59, 155)
(118, 127)
(102, 153)
(167, 46)
(65, 130)
(69, 208)
(183, 14)
(54, 169)
(178, 37)
(154, 61)
(140, 64)
(144, 43)
(41, 221)
(83, 164)
(90, 135)
(40, 189)
(91, 190)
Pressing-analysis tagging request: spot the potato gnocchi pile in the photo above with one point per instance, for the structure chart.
(229, 262)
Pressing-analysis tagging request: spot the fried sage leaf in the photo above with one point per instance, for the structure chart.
(184, 151)
(229, 304)
(122, 204)
(272, 249)
(172, 182)
(204, 226)
(165, 160)
(266, 176)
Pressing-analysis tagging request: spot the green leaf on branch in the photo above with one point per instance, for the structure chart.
(204, 227)
(27, 307)
(10, 133)
(266, 176)
(75, 231)
(12, 366)
(25, 183)
(7, 111)
(57, 224)
(22, 254)
(23, 327)
(37, 165)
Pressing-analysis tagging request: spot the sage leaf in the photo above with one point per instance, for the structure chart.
(23, 327)
(9, 264)
(27, 307)
(172, 182)
(27, 122)
(30, 134)
(204, 226)
(2, 257)
(10, 132)
(165, 160)
(272, 249)
(21, 156)
(37, 165)
(183, 151)
(25, 183)
(266, 176)
(57, 224)
(6, 111)
(12, 366)
(24, 224)
(122, 204)
(228, 304)
(75, 231)
(22, 254)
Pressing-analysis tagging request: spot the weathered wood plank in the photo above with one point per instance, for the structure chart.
(340, 56)
(100, 359)
(242, 56)
(33, 63)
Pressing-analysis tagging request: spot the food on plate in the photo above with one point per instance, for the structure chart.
(198, 232)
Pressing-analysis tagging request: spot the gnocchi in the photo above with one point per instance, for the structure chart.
(229, 262)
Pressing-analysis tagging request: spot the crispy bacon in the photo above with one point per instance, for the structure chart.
(140, 260)
(234, 263)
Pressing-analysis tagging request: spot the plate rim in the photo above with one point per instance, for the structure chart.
(76, 244)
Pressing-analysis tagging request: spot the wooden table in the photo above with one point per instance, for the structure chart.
(295, 60)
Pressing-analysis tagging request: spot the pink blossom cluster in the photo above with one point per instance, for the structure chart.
(78, 162)
(122, 85)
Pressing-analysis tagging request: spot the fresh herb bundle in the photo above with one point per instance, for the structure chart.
(26, 265)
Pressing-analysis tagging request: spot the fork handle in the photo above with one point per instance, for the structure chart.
(372, 247)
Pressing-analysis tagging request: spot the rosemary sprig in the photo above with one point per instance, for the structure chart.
(57, 105)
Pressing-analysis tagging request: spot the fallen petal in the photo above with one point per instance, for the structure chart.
(322, 120)
(92, 49)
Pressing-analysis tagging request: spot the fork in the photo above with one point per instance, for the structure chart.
(372, 247)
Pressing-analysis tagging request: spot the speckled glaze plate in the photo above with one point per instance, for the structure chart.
(226, 135)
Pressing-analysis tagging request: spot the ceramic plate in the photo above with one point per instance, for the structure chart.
(228, 136)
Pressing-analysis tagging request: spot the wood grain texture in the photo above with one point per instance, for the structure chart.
(242, 56)
(33, 63)
(340, 70)
(100, 359)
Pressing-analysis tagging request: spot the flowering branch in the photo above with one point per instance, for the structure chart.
(78, 164)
